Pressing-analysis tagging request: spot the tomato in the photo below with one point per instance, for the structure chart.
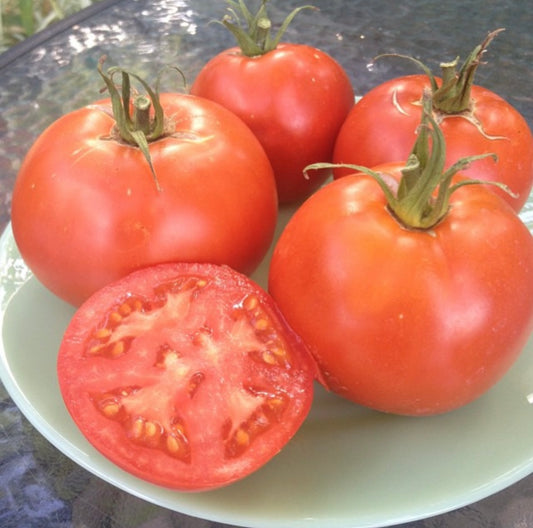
(87, 210)
(294, 98)
(414, 321)
(185, 375)
(381, 127)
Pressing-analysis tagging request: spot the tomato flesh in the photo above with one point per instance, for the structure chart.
(185, 375)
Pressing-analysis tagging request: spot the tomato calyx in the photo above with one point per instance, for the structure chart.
(142, 127)
(255, 39)
(421, 199)
(453, 96)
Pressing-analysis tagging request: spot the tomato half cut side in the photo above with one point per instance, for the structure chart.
(185, 375)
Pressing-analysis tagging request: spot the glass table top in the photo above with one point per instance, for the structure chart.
(55, 72)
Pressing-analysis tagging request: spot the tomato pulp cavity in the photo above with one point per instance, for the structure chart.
(185, 375)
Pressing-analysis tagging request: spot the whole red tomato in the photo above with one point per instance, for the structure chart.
(185, 375)
(406, 320)
(87, 209)
(474, 120)
(294, 98)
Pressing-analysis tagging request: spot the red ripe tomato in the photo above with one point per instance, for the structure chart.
(294, 98)
(474, 121)
(407, 321)
(382, 125)
(381, 128)
(185, 375)
(86, 209)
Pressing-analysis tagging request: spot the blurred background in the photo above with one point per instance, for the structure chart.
(22, 18)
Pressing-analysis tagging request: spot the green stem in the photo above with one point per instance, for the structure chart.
(141, 116)
(142, 128)
(264, 26)
(254, 35)
(423, 196)
(453, 96)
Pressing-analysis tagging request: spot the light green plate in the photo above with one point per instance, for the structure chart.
(346, 467)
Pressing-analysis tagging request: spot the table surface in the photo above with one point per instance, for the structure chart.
(54, 72)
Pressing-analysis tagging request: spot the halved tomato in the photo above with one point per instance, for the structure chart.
(185, 375)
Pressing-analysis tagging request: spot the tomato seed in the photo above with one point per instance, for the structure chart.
(269, 358)
(137, 428)
(241, 440)
(274, 408)
(102, 333)
(275, 403)
(96, 349)
(279, 351)
(250, 302)
(262, 357)
(117, 349)
(242, 437)
(177, 443)
(125, 309)
(114, 318)
(172, 444)
(111, 409)
(261, 324)
(150, 429)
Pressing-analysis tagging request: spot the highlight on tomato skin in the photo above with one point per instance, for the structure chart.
(185, 375)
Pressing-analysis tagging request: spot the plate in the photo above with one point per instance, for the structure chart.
(346, 467)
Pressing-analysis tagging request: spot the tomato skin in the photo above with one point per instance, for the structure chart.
(294, 98)
(86, 209)
(193, 373)
(381, 128)
(402, 321)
